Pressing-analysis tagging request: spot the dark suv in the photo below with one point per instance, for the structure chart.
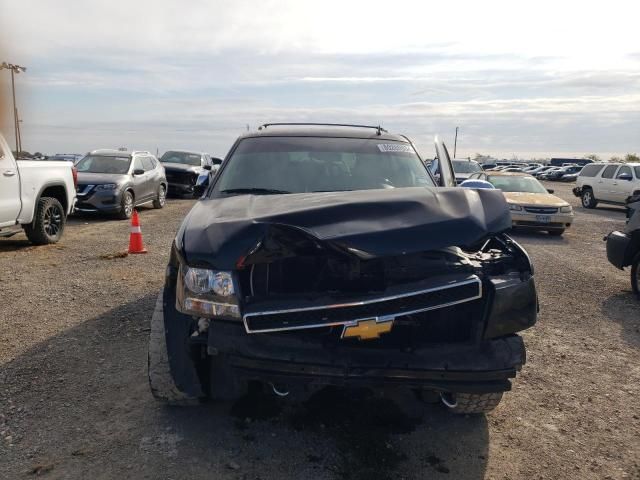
(327, 255)
(183, 169)
(113, 181)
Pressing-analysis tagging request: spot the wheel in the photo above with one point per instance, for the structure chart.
(161, 381)
(471, 403)
(48, 222)
(556, 233)
(635, 275)
(161, 199)
(126, 205)
(588, 199)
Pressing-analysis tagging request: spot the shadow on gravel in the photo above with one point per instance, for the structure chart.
(78, 406)
(624, 308)
(537, 237)
(20, 243)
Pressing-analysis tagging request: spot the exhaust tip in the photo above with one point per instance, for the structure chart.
(279, 390)
(448, 399)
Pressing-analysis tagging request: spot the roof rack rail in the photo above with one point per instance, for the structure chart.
(378, 128)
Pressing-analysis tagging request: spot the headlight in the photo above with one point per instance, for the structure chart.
(209, 293)
(515, 208)
(107, 186)
(200, 280)
(566, 209)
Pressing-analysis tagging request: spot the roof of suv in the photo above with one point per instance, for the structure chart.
(111, 152)
(327, 131)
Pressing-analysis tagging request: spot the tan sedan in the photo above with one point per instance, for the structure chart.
(532, 206)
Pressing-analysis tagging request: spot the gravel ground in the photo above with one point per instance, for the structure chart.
(74, 401)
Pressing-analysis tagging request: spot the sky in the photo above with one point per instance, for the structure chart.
(534, 79)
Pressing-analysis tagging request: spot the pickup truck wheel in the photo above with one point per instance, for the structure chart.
(126, 205)
(556, 233)
(588, 199)
(635, 275)
(48, 222)
(161, 198)
(471, 403)
(161, 382)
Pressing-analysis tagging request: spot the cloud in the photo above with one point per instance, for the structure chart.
(157, 72)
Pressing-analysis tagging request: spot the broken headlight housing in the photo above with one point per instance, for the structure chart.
(206, 293)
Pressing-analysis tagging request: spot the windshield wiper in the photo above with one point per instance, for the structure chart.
(257, 191)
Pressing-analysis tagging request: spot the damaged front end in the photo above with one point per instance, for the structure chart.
(313, 305)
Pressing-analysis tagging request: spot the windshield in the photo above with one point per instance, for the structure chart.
(464, 166)
(319, 164)
(104, 164)
(185, 158)
(516, 183)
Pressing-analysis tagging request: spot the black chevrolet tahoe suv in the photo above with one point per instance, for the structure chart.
(329, 255)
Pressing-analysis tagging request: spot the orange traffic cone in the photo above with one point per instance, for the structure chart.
(135, 239)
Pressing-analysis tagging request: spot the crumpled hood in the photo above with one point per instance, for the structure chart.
(366, 223)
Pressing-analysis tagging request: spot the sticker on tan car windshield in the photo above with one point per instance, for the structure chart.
(395, 147)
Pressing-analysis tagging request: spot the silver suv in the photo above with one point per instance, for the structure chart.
(610, 183)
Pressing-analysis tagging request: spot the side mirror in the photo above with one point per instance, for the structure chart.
(550, 190)
(198, 190)
(207, 167)
(625, 176)
(138, 171)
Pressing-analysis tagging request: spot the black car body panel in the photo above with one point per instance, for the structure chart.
(366, 223)
(433, 264)
(622, 247)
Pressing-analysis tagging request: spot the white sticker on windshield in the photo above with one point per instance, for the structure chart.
(395, 147)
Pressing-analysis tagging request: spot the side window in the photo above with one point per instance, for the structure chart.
(624, 170)
(637, 170)
(147, 163)
(609, 171)
(591, 170)
(137, 164)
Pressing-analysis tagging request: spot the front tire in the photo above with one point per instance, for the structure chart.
(635, 275)
(588, 198)
(471, 403)
(161, 382)
(48, 222)
(556, 233)
(161, 198)
(126, 205)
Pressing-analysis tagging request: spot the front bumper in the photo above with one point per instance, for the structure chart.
(107, 201)
(619, 249)
(534, 221)
(181, 189)
(292, 360)
(313, 357)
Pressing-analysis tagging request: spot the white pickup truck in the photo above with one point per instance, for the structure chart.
(35, 196)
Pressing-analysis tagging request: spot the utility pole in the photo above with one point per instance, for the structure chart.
(455, 144)
(14, 69)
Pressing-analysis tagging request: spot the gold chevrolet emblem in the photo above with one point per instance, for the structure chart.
(368, 329)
